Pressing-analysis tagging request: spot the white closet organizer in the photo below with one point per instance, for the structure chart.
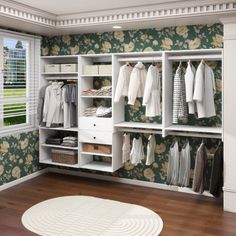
(168, 58)
(97, 130)
(45, 150)
(108, 130)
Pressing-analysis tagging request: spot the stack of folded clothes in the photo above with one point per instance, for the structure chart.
(103, 111)
(55, 140)
(90, 111)
(70, 141)
(104, 91)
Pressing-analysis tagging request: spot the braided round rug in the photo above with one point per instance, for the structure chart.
(90, 216)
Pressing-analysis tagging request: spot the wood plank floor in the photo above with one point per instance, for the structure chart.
(183, 214)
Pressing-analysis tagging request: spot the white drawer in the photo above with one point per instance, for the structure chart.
(94, 123)
(88, 136)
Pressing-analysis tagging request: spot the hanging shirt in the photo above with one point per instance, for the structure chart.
(204, 91)
(216, 180)
(40, 106)
(184, 166)
(179, 97)
(189, 86)
(199, 175)
(152, 92)
(123, 82)
(126, 148)
(173, 164)
(137, 154)
(137, 83)
(151, 150)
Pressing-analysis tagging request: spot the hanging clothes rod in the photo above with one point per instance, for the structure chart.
(173, 133)
(193, 134)
(142, 59)
(212, 57)
(144, 131)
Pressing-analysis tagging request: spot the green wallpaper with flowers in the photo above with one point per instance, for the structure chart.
(18, 156)
(20, 152)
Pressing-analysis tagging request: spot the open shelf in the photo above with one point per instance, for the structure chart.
(139, 125)
(197, 129)
(97, 154)
(94, 96)
(75, 129)
(50, 162)
(97, 165)
(58, 146)
(59, 73)
(96, 75)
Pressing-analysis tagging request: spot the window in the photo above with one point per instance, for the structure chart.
(19, 64)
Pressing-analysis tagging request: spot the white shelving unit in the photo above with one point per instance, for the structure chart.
(97, 130)
(44, 132)
(108, 130)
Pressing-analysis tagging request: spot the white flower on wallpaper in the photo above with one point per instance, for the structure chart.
(194, 44)
(166, 43)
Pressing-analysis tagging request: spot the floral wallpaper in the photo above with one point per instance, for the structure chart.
(19, 153)
(171, 38)
(18, 156)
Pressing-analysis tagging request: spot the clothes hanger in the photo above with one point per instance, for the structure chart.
(185, 144)
(127, 63)
(137, 135)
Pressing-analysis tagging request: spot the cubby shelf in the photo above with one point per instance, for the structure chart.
(96, 154)
(97, 165)
(74, 129)
(50, 162)
(58, 146)
(96, 75)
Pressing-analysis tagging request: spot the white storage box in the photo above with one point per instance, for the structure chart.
(68, 68)
(91, 70)
(105, 69)
(52, 68)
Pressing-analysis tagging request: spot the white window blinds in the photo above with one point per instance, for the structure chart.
(18, 81)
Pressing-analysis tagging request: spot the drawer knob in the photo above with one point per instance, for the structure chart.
(94, 125)
(94, 137)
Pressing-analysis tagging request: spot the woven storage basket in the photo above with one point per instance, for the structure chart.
(97, 148)
(64, 156)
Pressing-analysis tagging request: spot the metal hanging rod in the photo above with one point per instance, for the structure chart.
(193, 134)
(212, 57)
(172, 133)
(142, 59)
(136, 130)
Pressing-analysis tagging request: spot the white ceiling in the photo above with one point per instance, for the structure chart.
(62, 7)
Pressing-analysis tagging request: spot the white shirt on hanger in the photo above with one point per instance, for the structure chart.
(204, 91)
(137, 153)
(123, 82)
(137, 82)
(189, 86)
(152, 92)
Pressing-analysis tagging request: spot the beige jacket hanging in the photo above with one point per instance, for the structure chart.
(204, 91)
(137, 82)
(152, 92)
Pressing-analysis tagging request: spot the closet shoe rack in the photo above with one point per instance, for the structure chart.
(109, 130)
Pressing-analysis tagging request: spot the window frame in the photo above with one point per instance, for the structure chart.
(32, 79)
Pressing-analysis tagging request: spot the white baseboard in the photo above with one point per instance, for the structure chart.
(127, 181)
(102, 177)
(23, 179)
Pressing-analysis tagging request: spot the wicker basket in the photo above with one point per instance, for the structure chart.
(64, 156)
(97, 148)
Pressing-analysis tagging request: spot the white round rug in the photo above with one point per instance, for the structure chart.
(91, 216)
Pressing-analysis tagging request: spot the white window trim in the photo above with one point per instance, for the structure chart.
(34, 60)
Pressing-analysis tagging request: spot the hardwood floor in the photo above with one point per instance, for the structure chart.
(183, 214)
